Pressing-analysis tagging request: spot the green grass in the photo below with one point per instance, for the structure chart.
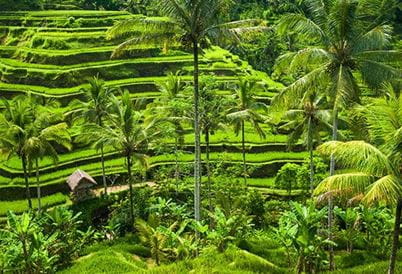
(20, 206)
(74, 91)
(231, 261)
(107, 261)
(370, 268)
(261, 182)
(278, 192)
(109, 63)
(58, 13)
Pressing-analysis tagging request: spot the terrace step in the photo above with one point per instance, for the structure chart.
(78, 56)
(256, 158)
(12, 71)
(132, 84)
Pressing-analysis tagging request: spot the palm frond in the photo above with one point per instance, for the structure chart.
(291, 95)
(386, 189)
(358, 154)
(348, 184)
(301, 25)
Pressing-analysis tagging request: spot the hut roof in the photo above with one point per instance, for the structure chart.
(77, 177)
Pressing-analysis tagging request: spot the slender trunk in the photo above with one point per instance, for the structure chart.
(197, 144)
(103, 170)
(310, 148)
(243, 147)
(208, 167)
(38, 185)
(157, 260)
(395, 240)
(130, 184)
(330, 200)
(28, 191)
(26, 257)
(176, 172)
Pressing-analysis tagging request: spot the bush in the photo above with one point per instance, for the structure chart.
(286, 178)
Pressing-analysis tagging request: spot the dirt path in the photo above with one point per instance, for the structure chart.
(120, 188)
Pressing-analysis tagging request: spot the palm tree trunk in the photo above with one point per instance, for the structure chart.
(103, 170)
(197, 144)
(176, 172)
(100, 123)
(310, 148)
(330, 200)
(28, 191)
(395, 241)
(243, 146)
(208, 167)
(130, 184)
(26, 257)
(38, 185)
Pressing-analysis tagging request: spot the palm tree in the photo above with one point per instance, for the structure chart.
(15, 122)
(344, 40)
(169, 105)
(212, 118)
(127, 132)
(246, 109)
(95, 110)
(378, 165)
(41, 143)
(307, 122)
(193, 23)
(150, 235)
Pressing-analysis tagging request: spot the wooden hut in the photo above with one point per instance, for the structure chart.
(80, 184)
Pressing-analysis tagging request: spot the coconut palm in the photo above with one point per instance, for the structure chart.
(94, 109)
(41, 143)
(15, 122)
(212, 118)
(246, 109)
(307, 122)
(127, 132)
(378, 164)
(170, 106)
(192, 23)
(344, 40)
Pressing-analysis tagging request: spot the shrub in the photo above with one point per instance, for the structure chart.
(286, 178)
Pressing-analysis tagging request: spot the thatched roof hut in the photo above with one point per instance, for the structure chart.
(80, 183)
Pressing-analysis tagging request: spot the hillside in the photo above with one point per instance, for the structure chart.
(52, 54)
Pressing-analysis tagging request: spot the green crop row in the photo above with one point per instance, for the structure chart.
(61, 13)
(20, 206)
(74, 91)
(117, 165)
(78, 56)
(51, 29)
(218, 139)
(47, 68)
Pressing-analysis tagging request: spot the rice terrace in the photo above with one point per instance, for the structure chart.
(200, 136)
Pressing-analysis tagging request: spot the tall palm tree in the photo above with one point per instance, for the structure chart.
(378, 164)
(212, 118)
(41, 143)
(128, 132)
(246, 109)
(192, 23)
(15, 122)
(94, 109)
(345, 38)
(307, 122)
(169, 105)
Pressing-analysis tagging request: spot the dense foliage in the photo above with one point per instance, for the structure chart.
(287, 162)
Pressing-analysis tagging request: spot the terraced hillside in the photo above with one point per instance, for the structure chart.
(52, 53)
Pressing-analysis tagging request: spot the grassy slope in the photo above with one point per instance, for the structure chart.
(24, 57)
(19, 206)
